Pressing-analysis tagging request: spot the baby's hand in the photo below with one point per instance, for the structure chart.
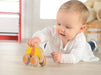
(56, 56)
(33, 41)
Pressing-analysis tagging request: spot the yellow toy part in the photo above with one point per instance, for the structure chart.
(37, 52)
(33, 51)
(28, 51)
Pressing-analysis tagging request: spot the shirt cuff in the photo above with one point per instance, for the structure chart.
(62, 58)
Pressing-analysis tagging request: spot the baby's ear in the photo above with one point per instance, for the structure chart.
(82, 28)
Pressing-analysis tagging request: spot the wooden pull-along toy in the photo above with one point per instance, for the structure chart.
(35, 55)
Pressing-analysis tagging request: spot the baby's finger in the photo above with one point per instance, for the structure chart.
(27, 41)
(54, 53)
(30, 42)
(36, 41)
(55, 57)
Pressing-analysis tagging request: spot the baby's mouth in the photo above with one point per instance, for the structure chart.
(62, 34)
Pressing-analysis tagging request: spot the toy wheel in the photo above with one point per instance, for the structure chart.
(44, 61)
(41, 56)
(26, 59)
(34, 60)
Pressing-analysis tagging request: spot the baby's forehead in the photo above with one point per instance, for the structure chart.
(69, 12)
(70, 16)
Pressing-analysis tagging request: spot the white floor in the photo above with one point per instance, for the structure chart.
(11, 54)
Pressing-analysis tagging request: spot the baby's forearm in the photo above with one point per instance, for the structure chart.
(44, 34)
(69, 58)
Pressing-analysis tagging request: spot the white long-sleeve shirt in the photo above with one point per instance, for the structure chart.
(75, 50)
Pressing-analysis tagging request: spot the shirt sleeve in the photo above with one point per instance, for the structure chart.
(44, 34)
(74, 57)
(76, 52)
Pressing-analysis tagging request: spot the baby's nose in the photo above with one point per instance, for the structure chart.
(62, 29)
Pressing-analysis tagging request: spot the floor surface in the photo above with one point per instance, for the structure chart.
(11, 63)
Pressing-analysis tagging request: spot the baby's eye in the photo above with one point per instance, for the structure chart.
(68, 27)
(59, 24)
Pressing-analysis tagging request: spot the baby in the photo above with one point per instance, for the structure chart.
(65, 41)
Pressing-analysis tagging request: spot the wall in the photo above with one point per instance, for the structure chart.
(26, 18)
(31, 19)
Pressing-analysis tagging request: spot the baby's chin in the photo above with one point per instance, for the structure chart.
(62, 37)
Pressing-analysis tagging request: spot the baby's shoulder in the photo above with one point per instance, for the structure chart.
(80, 39)
(80, 36)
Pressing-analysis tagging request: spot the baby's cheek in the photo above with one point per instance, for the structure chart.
(70, 35)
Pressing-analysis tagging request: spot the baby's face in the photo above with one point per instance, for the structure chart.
(68, 25)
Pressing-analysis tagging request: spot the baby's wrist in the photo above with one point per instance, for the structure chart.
(62, 59)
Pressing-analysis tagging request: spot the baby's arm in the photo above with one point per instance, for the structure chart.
(33, 41)
(56, 56)
(65, 58)
(41, 36)
(77, 50)
(70, 58)
(75, 55)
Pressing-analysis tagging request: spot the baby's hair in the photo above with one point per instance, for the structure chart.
(76, 6)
